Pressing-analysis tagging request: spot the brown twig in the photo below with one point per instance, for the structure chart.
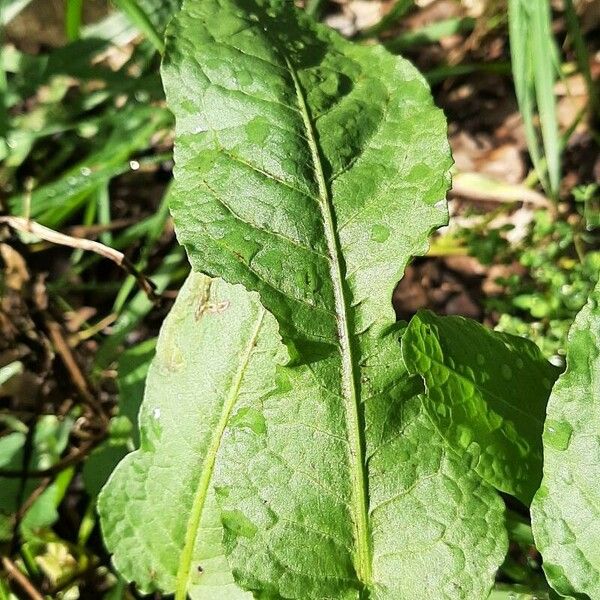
(39, 490)
(79, 231)
(26, 585)
(475, 186)
(55, 237)
(78, 378)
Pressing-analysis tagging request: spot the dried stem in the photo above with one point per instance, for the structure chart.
(55, 237)
(15, 574)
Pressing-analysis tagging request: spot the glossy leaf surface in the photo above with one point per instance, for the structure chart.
(486, 394)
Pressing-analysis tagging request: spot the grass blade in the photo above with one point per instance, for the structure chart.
(583, 59)
(141, 20)
(73, 14)
(544, 73)
(533, 56)
(429, 34)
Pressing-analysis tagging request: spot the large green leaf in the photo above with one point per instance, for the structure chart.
(158, 512)
(486, 394)
(311, 169)
(565, 512)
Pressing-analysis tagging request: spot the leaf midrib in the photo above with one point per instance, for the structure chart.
(349, 387)
(185, 561)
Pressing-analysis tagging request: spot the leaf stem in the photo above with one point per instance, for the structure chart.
(349, 378)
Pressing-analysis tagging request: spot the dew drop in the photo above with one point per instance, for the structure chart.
(134, 165)
(86, 171)
(557, 434)
(506, 372)
(156, 413)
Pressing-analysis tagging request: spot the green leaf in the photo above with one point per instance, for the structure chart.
(158, 511)
(132, 370)
(49, 440)
(486, 394)
(310, 169)
(158, 506)
(565, 512)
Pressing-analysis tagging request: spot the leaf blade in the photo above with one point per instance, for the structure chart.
(564, 512)
(310, 170)
(155, 541)
(486, 393)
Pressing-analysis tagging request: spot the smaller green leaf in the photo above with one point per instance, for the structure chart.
(486, 394)
(565, 513)
(158, 512)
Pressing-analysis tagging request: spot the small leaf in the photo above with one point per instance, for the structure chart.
(158, 512)
(486, 394)
(565, 513)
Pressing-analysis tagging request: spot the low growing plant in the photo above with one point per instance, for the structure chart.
(290, 445)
